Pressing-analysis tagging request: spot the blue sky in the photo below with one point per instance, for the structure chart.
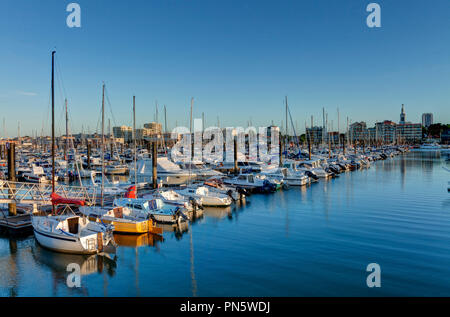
(237, 58)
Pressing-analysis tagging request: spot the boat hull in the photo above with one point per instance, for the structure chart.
(135, 227)
(70, 245)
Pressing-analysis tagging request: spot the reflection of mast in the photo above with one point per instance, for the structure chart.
(134, 142)
(136, 271)
(13, 266)
(194, 281)
(105, 284)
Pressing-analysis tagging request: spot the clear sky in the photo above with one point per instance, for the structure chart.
(237, 58)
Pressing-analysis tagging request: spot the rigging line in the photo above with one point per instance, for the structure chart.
(46, 118)
(98, 121)
(292, 124)
(110, 106)
(59, 71)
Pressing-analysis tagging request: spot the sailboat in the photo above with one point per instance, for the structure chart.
(69, 233)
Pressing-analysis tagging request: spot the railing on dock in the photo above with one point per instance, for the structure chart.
(31, 193)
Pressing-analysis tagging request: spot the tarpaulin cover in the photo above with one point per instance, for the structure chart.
(58, 200)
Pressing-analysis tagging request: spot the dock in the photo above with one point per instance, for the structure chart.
(15, 224)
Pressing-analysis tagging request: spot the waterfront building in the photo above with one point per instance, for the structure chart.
(150, 130)
(386, 131)
(153, 128)
(427, 119)
(314, 134)
(123, 132)
(409, 132)
(333, 136)
(358, 131)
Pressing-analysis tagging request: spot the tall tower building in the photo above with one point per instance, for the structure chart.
(402, 115)
(427, 119)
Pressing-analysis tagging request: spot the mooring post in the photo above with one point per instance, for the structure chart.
(154, 164)
(281, 153)
(12, 176)
(309, 147)
(89, 155)
(343, 144)
(235, 156)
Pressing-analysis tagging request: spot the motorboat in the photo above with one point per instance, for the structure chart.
(251, 183)
(155, 209)
(123, 219)
(174, 198)
(288, 176)
(216, 184)
(116, 169)
(37, 175)
(205, 196)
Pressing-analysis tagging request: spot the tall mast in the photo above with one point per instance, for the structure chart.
(53, 123)
(67, 134)
(348, 137)
(165, 119)
(53, 127)
(190, 131)
(339, 133)
(103, 142)
(323, 125)
(134, 140)
(286, 140)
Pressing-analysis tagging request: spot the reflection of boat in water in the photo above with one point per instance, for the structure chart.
(448, 170)
(177, 229)
(89, 264)
(218, 213)
(146, 239)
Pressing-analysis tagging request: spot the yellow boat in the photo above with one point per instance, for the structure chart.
(121, 224)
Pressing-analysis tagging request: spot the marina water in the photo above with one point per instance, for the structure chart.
(309, 241)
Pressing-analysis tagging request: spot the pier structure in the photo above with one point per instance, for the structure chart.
(13, 193)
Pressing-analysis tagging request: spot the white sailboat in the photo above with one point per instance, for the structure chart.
(71, 234)
(68, 233)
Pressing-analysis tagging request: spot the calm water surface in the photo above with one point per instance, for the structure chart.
(312, 241)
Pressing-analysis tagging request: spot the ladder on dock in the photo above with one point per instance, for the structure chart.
(39, 194)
